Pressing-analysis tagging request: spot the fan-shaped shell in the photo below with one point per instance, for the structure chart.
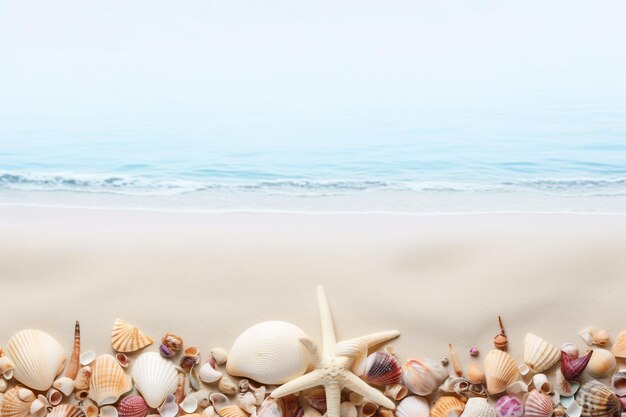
(423, 377)
(413, 407)
(66, 410)
(509, 406)
(478, 407)
(16, 402)
(619, 347)
(572, 367)
(597, 400)
(269, 352)
(381, 368)
(500, 371)
(601, 364)
(155, 378)
(539, 355)
(133, 406)
(538, 404)
(38, 358)
(447, 406)
(232, 411)
(108, 380)
(128, 338)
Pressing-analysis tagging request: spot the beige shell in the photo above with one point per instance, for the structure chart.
(423, 377)
(594, 336)
(413, 407)
(396, 391)
(500, 371)
(538, 404)
(128, 338)
(232, 411)
(155, 378)
(108, 381)
(597, 400)
(16, 402)
(601, 364)
(269, 352)
(619, 347)
(539, 355)
(220, 355)
(474, 374)
(66, 410)
(447, 406)
(38, 358)
(478, 407)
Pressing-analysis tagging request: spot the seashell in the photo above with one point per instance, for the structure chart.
(208, 373)
(6, 367)
(91, 410)
(381, 368)
(601, 364)
(108, 411)
(259, 392)
(247, 402)
(540, 382)
(368, 408)
(396, 391)
(619, 347)
(122, 359)
(209, 412)
(233, 411)
(194, 382)
(190, 358)
(594, 336)
(133, 406)
(172, 341)
(87, 358)
(54, 396)
(38, 358)
(597, 400)
(565, 387)
(244, 386)
(65, 385)
(38, 408)
(189, 404)
(413, 407)
(572, 367)
(108, 381)
(227, 386)
(180, 388)
(500, 371)
(16, 402)
(570, 348)
(166, 352)
(423, 377)
(220, 355)
(447, 406)
(474, 374)
(317, 399)
(618, 383)
(509, 406)
(128, 338)
(539, 355)
(155, 378)
(456, 364)
(517, 388)
(82, 379)
(3, 385)
(500, 340)
(270, 353)
(573, 409)
(81, 395)
(169, 408)
(457, 385)
(479, 407)
(347, 409)
(538, 404)
(219, 401)
(202, 396)
(72, 366)
(66, 410)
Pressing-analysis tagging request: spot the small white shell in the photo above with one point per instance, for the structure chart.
(227, 386)
(618, 383)
(347, 409)
(38, 408)
(247, 402)
(87, 357)
(540, 382)
(65, 385)
(155, 378)
(108, 411)
(54, 396)
(209, 412)
(219, 401)
(6, 367)
(189, 404)
(220, 355)
(413, 407)
(208, 374)
(202, 397)
(169, 408)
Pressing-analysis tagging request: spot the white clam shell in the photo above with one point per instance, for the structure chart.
(108, 411)
(269, 352)
(108, 380)
(155, 378)
(38, 358)
(413, 407)
(208, 374)
(189, 404)
(65, 385)
(169, 408)
(87, 357)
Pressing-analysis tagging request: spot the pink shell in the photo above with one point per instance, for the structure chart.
(509, 406)
(538, 404)
(572, 367)
(133, 406)
(382, 369)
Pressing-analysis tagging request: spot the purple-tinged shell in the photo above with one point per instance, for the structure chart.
(509, 406)
(382, 368)
(133, 406)
(474, 351)
(166, 352)
(572, 367)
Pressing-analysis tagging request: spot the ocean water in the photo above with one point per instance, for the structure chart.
(426, 161)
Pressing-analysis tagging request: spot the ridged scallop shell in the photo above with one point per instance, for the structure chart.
(500, 371)
(602, 363)
(16, 402)
(108, 380)
(572, 367)
(232, 411)
(509, 406)
(269, 352)
(155, 378)
(381, 368)
(619, 347)
(597, 400)
(423, 377)
(128, 338)
(66, 410)
(38, 358)
(133, 406)
(413, 407)
(539, 355)
(478, 407)
(447, 406)
(538, 404)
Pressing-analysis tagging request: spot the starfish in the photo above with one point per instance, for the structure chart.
(333, 367)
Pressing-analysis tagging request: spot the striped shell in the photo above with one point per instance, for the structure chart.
(597, 400)
(66, 410)
(133, 406)
(232, 411)
(317, 399)
(500, 371)
(478, 407)
(572, 367)
(447, 406)
(539, 355)
(155, 378)
(538, 404)
(128, 338)
(108, 380)
(509, 406)
(38, 358)
(381, 368)
(413, 407)
(423, 377)
(16, 402)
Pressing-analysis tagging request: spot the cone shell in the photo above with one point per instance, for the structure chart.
(413, 407)
(38, 358)
(155, 378)
(447, 406)
(597, 400)
(500, 371)
(572, 367)
(66, 410)
(133, 406)
(128, 338)
(602, 363)
(108, 381)
(538, 404)
(539, 355)
(423, 377)
(509, 406)
(619, 347)
(16, 402)
(381, 368)
(478, 407)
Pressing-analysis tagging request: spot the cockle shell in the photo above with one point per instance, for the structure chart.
(619, 347)
(208, 373)
(509, 406)
(447, 406)
(594, 336)
(602, 363)
(38, 358)
(478, 407)
(538, 404)
(500, 371)
(539, 355)
(16, 402)
(381, 368)
(133, 406)
(155, 378)
(423, 377)
(618, 383)
(108, 381)
(66, 410)
(572, 367)
(413, 406)
(128, 338)
(269, 352)
(597, 400)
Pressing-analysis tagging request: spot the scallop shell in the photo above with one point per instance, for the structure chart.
(133, 406)
(66, 410)
(539, 355)
(619, 347)
(478, 407)
(509, 406)
(602, 363)
(108, 381)
(538, 404)
(447, 406)
(154, 377)
(413, 407)
(16, 402)
(38, 358)
(270, 353)
(597, 400)
(500, 371)
(572, 367)
(423, 377)
(128, 338)
(381, 368)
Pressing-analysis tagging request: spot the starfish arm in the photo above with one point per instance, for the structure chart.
(356, 384)
(380, 337)
(310, 380)
(328, 331)
(333, 400)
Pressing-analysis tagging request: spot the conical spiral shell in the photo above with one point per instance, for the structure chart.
(500, 371)
(269, 353)
(423, 377)
(66, 410)
(539, 355)
(478, 407)
(597, 400)
(38, 358)
(447, 406)
(572, 367)
(133, 406)
(16, 402)
(413, 407)
(155, 378)
(538, 404)
(128, 338)
(381, 368)
(108, 380)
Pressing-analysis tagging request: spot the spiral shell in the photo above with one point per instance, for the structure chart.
(423, 377)
(478, 407)
(539, 355)
(381, 368)
(155, 378)
(447, 406)
(128, 338)
(133, 406)
(413, 407)
(16, 402)
(538, 404)
(108, 381)
(597, 400)
(509, 406)
(572, 367)
(66, 410)
(500, 371)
